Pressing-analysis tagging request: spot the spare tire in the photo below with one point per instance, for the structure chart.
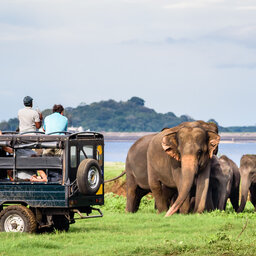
(89, 176)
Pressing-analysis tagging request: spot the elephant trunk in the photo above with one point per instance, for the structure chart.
(245, 184)
(188, 171)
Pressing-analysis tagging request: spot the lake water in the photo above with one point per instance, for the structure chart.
(116, 151)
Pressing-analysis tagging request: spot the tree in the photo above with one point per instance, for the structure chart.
(138, 101)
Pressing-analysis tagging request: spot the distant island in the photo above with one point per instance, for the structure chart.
(124, 116)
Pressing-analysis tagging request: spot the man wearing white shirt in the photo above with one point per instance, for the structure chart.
(29, 119)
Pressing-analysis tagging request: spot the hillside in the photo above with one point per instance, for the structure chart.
(124, 116)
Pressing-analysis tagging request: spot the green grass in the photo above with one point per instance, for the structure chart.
(143, 233)
(113, 169)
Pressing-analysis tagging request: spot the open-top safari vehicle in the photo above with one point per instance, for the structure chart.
(75, 180)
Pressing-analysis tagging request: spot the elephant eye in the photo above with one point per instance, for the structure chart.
(199, 153)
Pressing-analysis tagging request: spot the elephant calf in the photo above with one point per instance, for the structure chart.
(248, 180)
(224, 184)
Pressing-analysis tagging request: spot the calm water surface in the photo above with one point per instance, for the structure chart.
(116, 151)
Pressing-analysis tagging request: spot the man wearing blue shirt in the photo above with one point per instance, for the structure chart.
(56, 122)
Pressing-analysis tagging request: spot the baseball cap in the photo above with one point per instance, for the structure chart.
(27, 100)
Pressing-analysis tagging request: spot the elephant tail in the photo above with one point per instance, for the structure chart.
(119, 176)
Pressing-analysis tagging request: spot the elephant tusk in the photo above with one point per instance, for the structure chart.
(172, 210)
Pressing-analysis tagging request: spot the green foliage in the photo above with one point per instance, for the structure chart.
(4, 126)
(129, 116)
(137, 101)
(114, 203)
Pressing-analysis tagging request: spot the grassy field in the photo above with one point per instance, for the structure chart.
(113, 169)
(143, 233)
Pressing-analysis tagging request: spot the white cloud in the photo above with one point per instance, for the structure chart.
(195, 4)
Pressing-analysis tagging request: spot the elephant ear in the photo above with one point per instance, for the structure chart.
(213, 142)
(170, 146)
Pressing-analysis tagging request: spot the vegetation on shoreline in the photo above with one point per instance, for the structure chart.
(124, 116)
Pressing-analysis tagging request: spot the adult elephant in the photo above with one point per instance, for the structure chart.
(178, 158)
(248, 180)
(137, 173)
(224, 183)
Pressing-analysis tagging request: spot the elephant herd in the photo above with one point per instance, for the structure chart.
(179, 165)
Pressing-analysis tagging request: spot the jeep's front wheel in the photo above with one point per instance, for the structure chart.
(89, 176)
(17, 218)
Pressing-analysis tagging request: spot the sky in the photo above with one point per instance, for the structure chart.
(196, 58)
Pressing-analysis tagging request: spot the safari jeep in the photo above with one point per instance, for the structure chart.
(75, 180)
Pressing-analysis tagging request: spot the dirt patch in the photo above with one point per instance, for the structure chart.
(117, 187)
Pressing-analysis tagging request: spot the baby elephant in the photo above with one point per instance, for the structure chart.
(224, 184)
(248, 180)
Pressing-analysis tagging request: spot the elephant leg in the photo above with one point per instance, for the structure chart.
(192, 204)
(253, 195)
(134, 196)
(202, 186)
(169, 194)
(139, 194)
(225, 203)
(157, 191)
(209, 201)
(222, 197)
(234, 198)
(131, 199)
(245, 184)
(132, 202)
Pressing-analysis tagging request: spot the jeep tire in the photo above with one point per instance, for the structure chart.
(89, 176)
(17, 218)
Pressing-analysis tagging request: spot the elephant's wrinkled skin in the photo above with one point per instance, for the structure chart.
(177, 156)
(224, 183)
(248, 180)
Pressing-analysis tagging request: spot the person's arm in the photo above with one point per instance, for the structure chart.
(42, 175)
(8, 150)
(41, 178)
(38, 125)
(9, 173)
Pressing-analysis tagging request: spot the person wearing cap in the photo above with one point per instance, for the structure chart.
(29, 119)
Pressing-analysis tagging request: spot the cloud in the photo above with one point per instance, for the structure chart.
(157, 42)
(195, 4)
